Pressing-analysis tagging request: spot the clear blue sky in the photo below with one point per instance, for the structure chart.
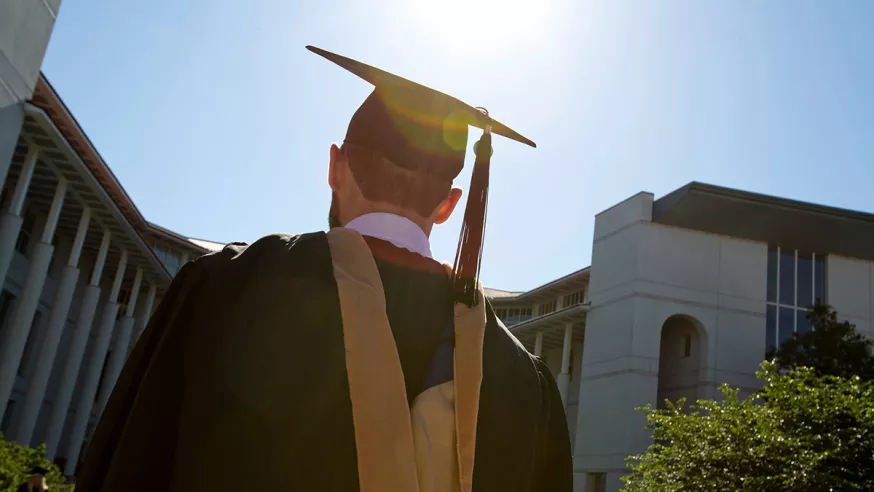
(217, 121)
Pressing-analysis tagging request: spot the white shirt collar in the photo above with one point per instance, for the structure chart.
(400, 231)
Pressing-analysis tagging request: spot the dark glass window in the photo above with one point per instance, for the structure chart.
(796, 280)
(786, 324)
(771, 330)
(805, 280)
(819, 278)
(803, 324)
(787, 277)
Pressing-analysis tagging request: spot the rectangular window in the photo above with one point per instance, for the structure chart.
(597, 482)
(173, 263)
(785, 324)
(802, 324)
(819, 278)
(805, 279)
(787, 278)
(547, 307)
(796, 280)
(771, 327)
(687, 346)
(573, 299)
(160, 253)
(516, 315)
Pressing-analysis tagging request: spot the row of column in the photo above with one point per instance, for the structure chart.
(19, 326)
(564, 378)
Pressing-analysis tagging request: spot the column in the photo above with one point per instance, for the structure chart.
(10, 223)
(22, 316)
(57, 320)
(122, 342)
(538, 344)
(61, 403)
(564, 378)
(143, 317)
(95, 364)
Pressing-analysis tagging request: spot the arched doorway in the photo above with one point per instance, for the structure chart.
(681, 355)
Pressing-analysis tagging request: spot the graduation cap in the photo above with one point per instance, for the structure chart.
(424, 130)
(38, 470)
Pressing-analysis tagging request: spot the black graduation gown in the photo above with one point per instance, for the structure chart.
(241, 374)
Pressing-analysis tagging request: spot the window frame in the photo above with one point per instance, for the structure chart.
(777, 303)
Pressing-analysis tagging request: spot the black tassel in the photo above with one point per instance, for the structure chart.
(468, 256)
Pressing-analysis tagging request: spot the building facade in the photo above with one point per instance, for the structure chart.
(81, 268)
(25, 29)
(82, 272)
(685, 293)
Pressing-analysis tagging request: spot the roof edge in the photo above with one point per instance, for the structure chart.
(117, 192)
(788, 203)
(545, 286)
(174, 236)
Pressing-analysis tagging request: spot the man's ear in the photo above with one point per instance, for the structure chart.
(444, 211)
(336, 161)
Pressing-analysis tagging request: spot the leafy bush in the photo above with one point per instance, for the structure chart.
(831, 348)
(802, 432)
(17, 461)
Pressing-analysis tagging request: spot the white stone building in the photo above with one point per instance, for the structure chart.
(685, 293)
(81, 268)
(82, 271)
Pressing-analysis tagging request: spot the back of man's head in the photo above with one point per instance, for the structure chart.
(381, 180)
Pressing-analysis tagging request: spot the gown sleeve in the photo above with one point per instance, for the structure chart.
(554, 463)
(136, 431)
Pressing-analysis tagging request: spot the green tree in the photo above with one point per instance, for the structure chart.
(17, 461)
(831, 348)
(802, 432)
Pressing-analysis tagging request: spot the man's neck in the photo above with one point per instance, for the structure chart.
(396, 229)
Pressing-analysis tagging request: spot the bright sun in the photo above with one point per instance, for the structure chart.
(507, 23)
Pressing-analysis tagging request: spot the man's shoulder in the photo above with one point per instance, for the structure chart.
(500, 340)
(275, 252)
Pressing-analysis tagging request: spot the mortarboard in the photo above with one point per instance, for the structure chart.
(38, 470)
(424, 130)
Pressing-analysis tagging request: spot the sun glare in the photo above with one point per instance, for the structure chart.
(501, 24)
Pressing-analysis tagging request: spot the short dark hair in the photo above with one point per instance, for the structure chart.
(381, 180)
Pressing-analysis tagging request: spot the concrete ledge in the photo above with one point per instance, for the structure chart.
(637, 208)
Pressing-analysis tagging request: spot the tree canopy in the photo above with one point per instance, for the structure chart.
(17, 461)
(831, 348)
(802, 432)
